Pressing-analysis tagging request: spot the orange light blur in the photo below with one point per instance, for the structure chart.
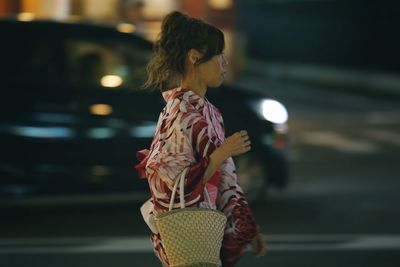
(101, 109)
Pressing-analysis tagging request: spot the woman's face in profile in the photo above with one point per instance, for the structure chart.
(213, 71)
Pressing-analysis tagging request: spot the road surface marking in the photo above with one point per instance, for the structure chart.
(338, 142)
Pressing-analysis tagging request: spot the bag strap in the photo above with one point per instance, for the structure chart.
(181, 182)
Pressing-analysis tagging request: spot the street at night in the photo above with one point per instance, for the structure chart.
(340, 209)
(100, 98)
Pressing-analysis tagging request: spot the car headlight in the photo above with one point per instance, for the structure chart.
(272, 110)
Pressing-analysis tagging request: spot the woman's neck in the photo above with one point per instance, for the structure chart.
(196, 86)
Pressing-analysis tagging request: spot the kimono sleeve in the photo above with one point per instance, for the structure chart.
(204, 144)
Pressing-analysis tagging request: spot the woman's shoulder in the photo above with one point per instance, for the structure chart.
(215, 110)
(183, 100)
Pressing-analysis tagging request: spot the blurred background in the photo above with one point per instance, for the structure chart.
(315, 82)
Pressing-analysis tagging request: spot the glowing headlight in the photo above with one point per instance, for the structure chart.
(274, 111)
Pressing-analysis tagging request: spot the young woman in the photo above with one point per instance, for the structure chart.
(188, 59)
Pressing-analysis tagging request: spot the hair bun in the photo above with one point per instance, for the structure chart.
(173, 25)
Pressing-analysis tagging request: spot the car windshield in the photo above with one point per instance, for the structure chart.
(105, 64)
(36, 58)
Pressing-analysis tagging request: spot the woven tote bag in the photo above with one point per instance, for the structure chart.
(191, 236)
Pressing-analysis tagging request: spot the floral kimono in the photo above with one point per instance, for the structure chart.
(189, 129)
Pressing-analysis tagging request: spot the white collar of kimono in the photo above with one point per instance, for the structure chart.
(185, 94)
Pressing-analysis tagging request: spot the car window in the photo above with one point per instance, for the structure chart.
(102, 64)
(29, 59)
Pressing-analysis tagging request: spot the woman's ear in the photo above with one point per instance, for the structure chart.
(194, 56)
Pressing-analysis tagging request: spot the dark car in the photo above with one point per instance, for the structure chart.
(72, 120)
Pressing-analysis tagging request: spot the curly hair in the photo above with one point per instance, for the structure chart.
(180, 33)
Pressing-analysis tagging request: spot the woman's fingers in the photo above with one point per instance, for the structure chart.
(243, 149)
(262, 248)
(240, 133)
(244, 142)
(239, 143)
(259, 245)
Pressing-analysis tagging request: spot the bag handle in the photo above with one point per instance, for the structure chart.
(181, 182)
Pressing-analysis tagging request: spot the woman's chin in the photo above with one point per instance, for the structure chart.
(216, 84)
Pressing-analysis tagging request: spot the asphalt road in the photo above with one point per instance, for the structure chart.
(342, 207)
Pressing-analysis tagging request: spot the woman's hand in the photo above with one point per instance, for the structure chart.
(236, 144)
(259, 245)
